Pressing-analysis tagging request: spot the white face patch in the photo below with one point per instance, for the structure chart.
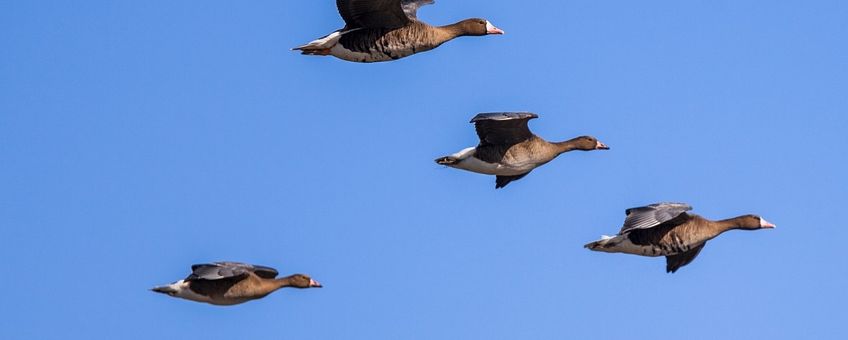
(491, 29)
(765, 224)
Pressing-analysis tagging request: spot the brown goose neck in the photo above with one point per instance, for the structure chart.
(565, 146)
(280, 283)
(727, 224)
(452, 31)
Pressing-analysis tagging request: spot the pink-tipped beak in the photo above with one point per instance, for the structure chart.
(767, 224)
(491, 29)
(602, 146)
(315, 284)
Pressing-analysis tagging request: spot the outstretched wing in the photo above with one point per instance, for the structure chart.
(502, 181)
(652, 215)
(224, 270)
(503, 128)
(379, 13)
(410, 7)
(674, 262)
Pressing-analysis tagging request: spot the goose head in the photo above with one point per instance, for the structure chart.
(302, 281)
(754, 222)
(478, 27)
(589, 143)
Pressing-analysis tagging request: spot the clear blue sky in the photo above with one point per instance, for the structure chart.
(140, 137)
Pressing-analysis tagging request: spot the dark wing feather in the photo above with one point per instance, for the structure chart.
(491, 153)
(410, 7)
(373, 13)
(674, 262)
(502, 181)
(265, 272)
(224, 270)
(652, 215)
(503, 128)
(218, 271)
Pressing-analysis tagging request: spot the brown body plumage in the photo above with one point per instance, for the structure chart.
(509, 150)
(230, 283)
(384, 30)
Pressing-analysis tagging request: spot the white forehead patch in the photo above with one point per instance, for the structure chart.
(489, 26)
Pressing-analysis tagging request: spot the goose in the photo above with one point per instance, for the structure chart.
(231, 283)
(509, 150)
(666, 229)
(385, 30)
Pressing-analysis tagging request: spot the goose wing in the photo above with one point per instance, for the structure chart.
(674, 262)
(410, 7)
(224, 270)
(502, 181)
(379, 13)
(503, 128)
(652, 215)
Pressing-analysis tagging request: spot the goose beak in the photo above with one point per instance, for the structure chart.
(767, 224)
(314, 284)
(491, 29)
(602, 146)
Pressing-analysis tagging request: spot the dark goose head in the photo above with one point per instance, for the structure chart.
(301, 281)
(752, 222)
(587, 143)
(475, 27)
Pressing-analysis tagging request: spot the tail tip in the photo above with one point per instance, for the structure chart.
(447, 160)
(603, 241)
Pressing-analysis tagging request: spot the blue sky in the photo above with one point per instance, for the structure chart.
(138, 138)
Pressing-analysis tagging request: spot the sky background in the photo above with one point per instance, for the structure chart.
(140, 137)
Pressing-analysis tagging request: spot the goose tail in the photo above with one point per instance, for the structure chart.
(447, 160)
(599, 243)
(320, 46)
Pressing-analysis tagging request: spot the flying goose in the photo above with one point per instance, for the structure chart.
(509, 150)
(666, 229)
(385, 30)
(231, 283)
